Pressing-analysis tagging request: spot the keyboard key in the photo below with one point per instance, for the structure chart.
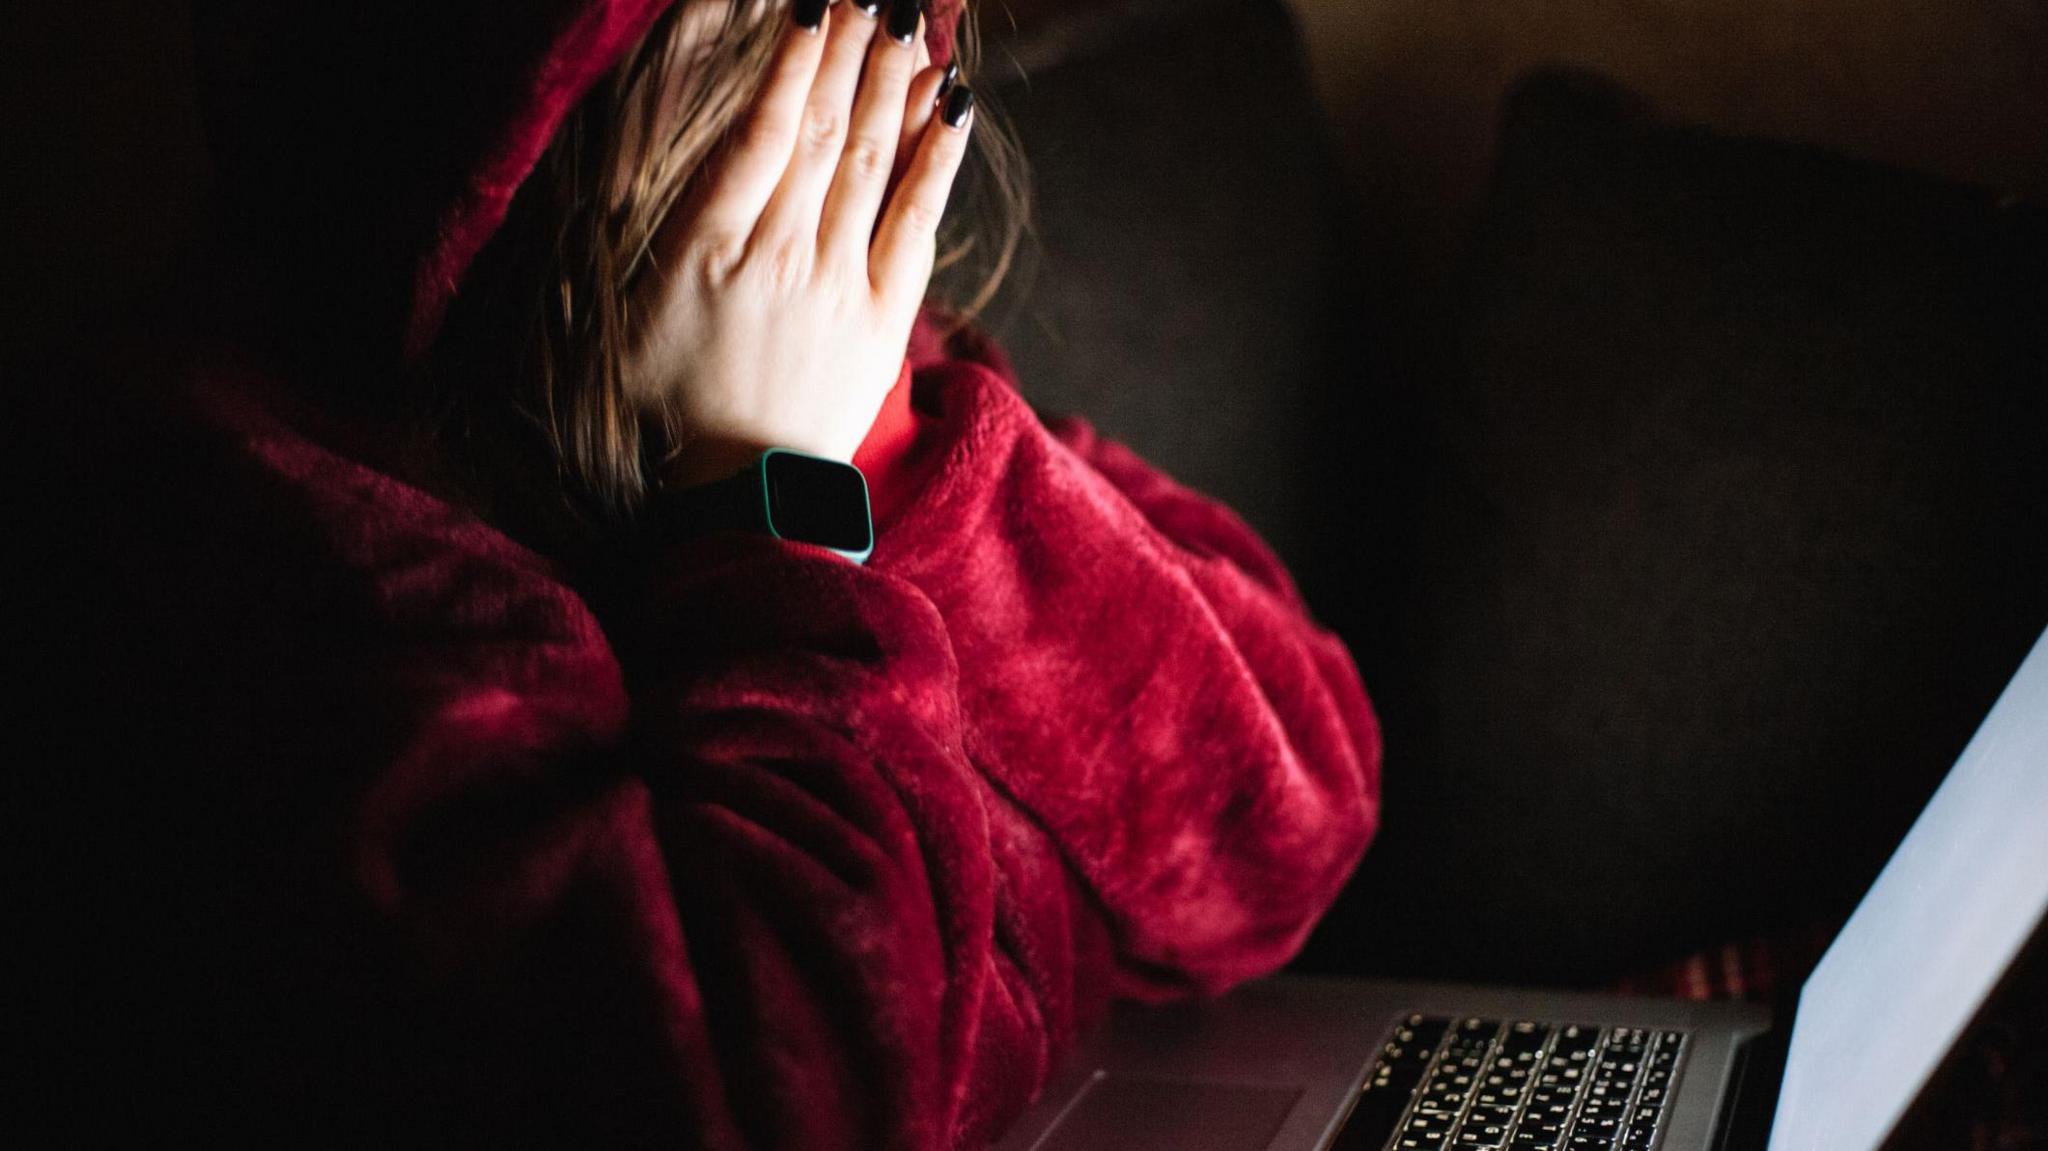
(1612, 1082)
(1423, 1034)
(1527, 1033)
(1598, 1115)
(1408, 1071)
(1482, 1135)
(1429, 1121)
(1489, 1085)
(1498, 1097)
(1598, 1122)
(1577, 1037)
(1371, 1121)
(1417, 1026)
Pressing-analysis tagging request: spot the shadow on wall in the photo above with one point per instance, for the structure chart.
(109, 166)
(1696, 530)
(1731, 533)
(1958, 91)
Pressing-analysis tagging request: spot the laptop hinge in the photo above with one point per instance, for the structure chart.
(1759, 1071)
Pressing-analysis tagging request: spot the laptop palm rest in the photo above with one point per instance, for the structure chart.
(1139, 1114)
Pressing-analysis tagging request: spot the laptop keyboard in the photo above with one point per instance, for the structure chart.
(1465, 1084)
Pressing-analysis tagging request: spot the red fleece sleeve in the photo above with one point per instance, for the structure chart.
(785, 853)
(1137, 671)
(719, 873)
(887, 457)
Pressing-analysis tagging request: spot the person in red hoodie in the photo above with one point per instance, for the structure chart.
(403, 818)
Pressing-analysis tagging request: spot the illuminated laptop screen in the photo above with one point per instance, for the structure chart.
(1930, 940)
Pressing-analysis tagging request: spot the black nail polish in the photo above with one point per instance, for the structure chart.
(903, 16)
(958, 105)
(809, 14)
(869, 8)
(946, 82)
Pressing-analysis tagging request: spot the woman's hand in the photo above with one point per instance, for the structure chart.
(779, 304)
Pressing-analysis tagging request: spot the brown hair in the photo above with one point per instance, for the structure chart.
(528, 374)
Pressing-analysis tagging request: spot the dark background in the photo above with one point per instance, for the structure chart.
(1664, 432)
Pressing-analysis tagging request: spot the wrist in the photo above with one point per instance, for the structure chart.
(780, 491)
(707, 460)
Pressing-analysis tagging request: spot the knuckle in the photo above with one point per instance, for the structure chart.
(823, 126)
(921, 215)
(788, 265)
(719, 257)
(868, 158)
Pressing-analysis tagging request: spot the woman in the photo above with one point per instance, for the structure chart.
(482, 786)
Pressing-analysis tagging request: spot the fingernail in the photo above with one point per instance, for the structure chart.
(903, 16)
(946, 81)
(868, 8)
(958, 104)
(809, 14)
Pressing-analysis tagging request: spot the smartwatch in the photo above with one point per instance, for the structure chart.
(787, 494)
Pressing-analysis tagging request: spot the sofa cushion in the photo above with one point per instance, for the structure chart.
(1193, 289)
(1736, 522)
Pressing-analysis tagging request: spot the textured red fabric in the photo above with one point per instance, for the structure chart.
(410, 837)
(885, 455)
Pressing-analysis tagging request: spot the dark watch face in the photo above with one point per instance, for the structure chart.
(817, 501)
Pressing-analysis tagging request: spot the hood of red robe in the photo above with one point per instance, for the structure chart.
(365, 151)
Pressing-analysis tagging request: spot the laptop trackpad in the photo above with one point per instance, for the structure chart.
(1130, 1114)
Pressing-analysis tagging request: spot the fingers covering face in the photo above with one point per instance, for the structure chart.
(810, 164)
(918, 108)
(848, 223)
(822, 129)
(905, 245)
(753, 164)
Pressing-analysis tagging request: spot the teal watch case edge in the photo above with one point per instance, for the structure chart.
(759, 472)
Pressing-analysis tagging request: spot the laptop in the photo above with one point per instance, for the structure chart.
(1311, 1064)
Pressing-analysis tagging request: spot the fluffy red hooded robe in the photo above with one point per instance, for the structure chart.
(388, 834)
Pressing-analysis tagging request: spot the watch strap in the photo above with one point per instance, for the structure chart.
(737, 502)
(742, 502)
